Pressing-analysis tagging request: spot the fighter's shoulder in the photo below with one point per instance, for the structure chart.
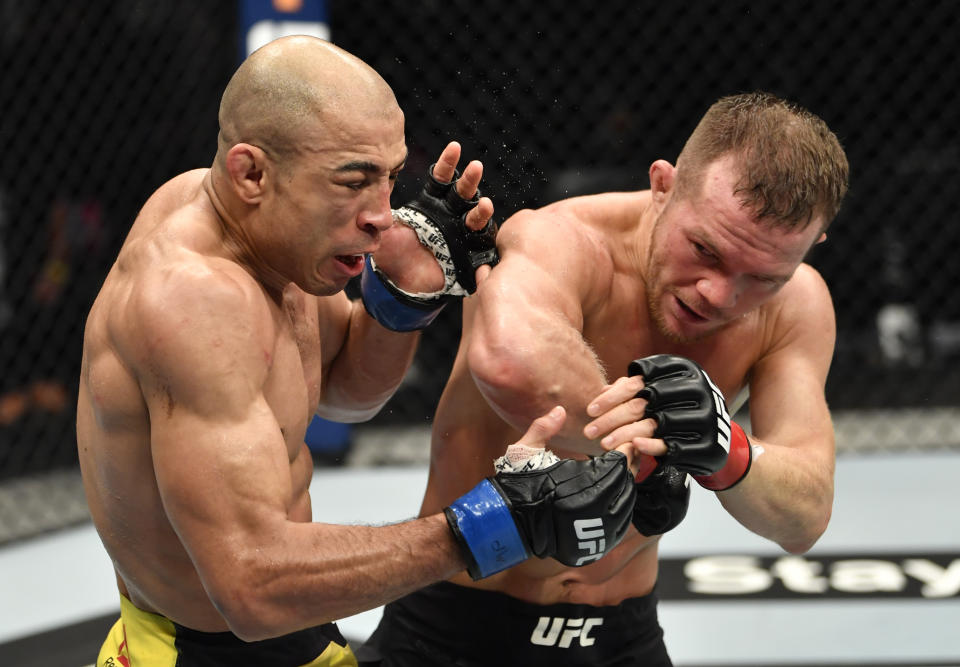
(196, 285)
(802, 307)
(806, 288)
(583, 210)
(176, 191)
(194, 307)
(539, 224)
(573, 224)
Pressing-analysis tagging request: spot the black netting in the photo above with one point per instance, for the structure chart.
(102, 101)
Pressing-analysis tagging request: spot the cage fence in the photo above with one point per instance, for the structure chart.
(102, 101)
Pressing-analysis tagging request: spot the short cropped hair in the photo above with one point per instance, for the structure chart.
(792, 167)
(268, 108)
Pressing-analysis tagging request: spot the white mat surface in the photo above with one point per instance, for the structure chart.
(887, 508)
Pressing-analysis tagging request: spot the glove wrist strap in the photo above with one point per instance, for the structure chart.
(737, 466)
(390, 307)
(482, 523)
(431, 238)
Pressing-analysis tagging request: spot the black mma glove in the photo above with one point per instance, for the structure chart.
(574, 511)
(438, 216)
(662, 501)
(693, 421)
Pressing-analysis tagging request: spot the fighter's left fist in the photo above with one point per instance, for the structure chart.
(662, 501)
(455, 223)
(693, 421)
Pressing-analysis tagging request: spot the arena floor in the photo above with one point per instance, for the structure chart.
(882, 587)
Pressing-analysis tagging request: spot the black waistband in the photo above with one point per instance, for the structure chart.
(212, 649)
(467, 602)
(459, 620)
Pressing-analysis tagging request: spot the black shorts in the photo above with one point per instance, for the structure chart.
(445, 625)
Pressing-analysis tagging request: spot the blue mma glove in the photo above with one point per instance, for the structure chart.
(438, 216)
(573, 511)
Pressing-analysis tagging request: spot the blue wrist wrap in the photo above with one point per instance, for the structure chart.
(390, 308)
(486, 525)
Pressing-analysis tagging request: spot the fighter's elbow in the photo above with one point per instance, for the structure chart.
(246, 606)
(802, 539)
(244, 612)
(797, 547)
(249, 629)
(499, 368)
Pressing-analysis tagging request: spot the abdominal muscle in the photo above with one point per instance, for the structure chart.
(628, 571)
(467, 438)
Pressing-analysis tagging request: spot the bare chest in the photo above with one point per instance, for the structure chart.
(292, 388)
(624, 331)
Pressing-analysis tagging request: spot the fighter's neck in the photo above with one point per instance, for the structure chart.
(239, 244)
(643, 238)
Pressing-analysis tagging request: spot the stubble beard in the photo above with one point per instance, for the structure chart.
(655, 305)
(656, 293)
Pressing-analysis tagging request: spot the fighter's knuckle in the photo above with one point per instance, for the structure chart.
(637, 407)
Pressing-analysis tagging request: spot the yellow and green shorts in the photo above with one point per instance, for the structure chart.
(142, 639)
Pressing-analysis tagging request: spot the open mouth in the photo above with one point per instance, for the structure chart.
(690, 313)
(353, 263)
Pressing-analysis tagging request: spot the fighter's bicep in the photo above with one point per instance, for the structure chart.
(522, 317)
(787, 387)
(210, 352)
(217, 475)
(521, 290)
(787, 400)
(214, 439)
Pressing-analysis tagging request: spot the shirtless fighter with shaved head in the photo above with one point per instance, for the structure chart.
(643, 313)
(222, 328)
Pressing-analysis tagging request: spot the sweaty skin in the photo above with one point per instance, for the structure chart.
(588, 284)
(222, 328)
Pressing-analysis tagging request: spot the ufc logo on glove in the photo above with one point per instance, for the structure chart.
(591, 539)
(723, 417)
(693, 421)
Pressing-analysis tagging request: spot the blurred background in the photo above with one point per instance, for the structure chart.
(102, 101)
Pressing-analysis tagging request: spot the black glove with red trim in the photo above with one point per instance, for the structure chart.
(693, 421)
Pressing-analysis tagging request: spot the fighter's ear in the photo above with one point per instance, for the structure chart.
(662, 176)
(245, 170)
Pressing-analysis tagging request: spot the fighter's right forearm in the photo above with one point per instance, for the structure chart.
(286, 576)
(522, 381)
(319, 573)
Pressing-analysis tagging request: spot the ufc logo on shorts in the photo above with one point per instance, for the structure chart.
(723, 417)
(592, 540)
(566, 630)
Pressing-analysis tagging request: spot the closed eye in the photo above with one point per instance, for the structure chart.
(769, 281)
(703, 251)
(359, 185)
